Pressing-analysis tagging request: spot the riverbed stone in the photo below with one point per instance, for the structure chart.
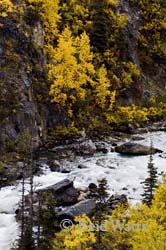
(138, 138)
(86, 147)
(54, 165)
(115, 200)
(82, 166)
(64, 192)
(132, 148)
(101, 147)
(163, 155)
(83, 207)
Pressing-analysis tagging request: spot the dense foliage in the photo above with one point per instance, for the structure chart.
(90, 61)
(90, 68)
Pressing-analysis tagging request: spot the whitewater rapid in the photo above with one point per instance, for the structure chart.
(124, 175)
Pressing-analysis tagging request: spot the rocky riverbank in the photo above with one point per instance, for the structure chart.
(124, 174)
(83, 146)
(70, 201)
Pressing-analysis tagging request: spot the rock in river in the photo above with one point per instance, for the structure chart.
(132, 148)
(83, 207)
(85, 148)
(64, 192)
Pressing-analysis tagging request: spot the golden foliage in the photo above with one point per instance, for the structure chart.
(128, 114)
(6, 6)
(77, 237)
(103, 95)
(71, 69)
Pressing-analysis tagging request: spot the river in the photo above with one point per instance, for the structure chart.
(124, 175)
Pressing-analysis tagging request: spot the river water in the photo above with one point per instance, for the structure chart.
(124, 175)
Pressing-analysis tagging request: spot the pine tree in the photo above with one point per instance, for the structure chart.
(150, 182)
(100, 195)
(99, 37)
(47, 221)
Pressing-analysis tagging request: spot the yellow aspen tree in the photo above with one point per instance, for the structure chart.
(103, 95)
(70, 70)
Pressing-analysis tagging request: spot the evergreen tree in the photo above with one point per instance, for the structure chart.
(150, 182)
(47, 220)
(99, 37)
(100, 194)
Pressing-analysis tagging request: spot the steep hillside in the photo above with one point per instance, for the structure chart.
(68, 65)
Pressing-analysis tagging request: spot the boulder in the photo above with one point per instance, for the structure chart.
(142, 130)
(82, 196)
(54, 165)
(163, 155)
(82, 207)
(82, 166)
(85, 148)
(101, 147)
(137, 138)
(64, 191)
(116, 200)
(65, 171)
(132, 148)
(92, 190)
(60, 186)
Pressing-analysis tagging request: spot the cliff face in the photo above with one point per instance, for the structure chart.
(19, 59)
(24, 100)
(25, 105)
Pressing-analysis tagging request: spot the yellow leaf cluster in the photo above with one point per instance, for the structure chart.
(128, 114)
(71, 69)
(77, 237)
(102, 88)
(6, 6)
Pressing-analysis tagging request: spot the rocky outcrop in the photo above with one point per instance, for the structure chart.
(69, 201)
(132, 148)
